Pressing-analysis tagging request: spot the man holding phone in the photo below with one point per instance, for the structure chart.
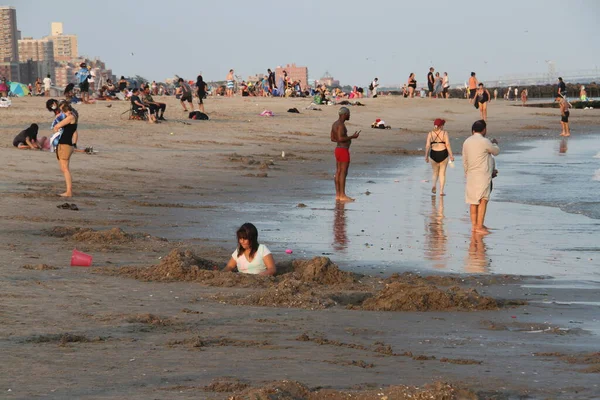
(339, 134)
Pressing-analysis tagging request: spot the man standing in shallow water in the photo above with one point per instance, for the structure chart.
(479, 168)
(339, 134)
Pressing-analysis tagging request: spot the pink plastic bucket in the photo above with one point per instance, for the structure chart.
(79, 259)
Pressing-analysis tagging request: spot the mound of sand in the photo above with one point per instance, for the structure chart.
(322, 271)
(400, 296)
(288, 292)
(291, 390)
(39, 267)
(110, 236)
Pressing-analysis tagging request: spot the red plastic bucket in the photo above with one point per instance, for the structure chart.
(79, 259)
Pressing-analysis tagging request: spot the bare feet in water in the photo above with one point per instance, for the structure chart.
(482, 230)
(345, 199)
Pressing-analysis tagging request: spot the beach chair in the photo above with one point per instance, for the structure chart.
(135, 114)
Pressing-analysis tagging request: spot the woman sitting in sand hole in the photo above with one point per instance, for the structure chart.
(66, 144)
(437, 147)
(250, 257)
(27, 140)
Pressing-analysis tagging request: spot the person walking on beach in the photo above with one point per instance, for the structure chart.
(430, 81)
(230, 84)
(473, 82)
(481, 100)
(478, 164)
(437, 147)
(562, 87)
(523, 97)
(445, 86)
(564, 116)
(412, 85)
(201, 88)
(186, 94)
(339, 135)
(47, 84)
(495, 94)
(516, 94)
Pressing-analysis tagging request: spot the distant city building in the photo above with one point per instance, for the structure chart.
(328, 80)
(9, 47)
(255, 78)
(36, 58)
(65, 46)
(295, 74)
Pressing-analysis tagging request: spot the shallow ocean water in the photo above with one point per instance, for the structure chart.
(544, 216)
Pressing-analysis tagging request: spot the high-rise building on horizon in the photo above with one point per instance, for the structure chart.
(9, 47)
(38, 55)
(65, 46)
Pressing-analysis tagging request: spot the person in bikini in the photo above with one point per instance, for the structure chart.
(339, 134)
(481, 99)
(412, 85)
(437, 147)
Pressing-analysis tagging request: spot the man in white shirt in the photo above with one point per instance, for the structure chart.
(479, 168)
(374, 85)
(47, 84)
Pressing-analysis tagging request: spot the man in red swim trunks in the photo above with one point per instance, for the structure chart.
(339, 134)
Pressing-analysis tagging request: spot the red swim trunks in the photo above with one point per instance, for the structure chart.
(342, 154)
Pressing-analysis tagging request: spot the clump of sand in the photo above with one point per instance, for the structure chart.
(292, 390)
(150, 319)
(400, 296)
(322, 271)
(39, 267)
(221, 385)
(110, 236)
(289, 293)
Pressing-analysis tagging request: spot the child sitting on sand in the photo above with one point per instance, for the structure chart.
(27, 140)
(250, 257)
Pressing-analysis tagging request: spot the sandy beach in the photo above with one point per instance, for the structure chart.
(387, 297)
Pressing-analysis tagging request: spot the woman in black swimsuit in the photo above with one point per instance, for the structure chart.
(437, 147)
(412, 85)
(66, 144)
(481, 99)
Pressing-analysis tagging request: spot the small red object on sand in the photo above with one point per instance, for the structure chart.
(79, 259)
(513, 316)
(289, 251)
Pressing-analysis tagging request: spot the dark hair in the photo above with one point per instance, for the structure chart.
(50, 103)
(180, 80)
(560, 78)
(480, 84)
(33, 129)
(479, 126)
(122, 77)
(199, 80)
(472, 73)
(135, 90)
(248, 231)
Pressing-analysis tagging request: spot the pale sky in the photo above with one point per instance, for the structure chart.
(355, 40)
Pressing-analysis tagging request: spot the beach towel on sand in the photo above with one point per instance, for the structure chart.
(198, 115)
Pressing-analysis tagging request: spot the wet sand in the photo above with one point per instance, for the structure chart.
(74, 332)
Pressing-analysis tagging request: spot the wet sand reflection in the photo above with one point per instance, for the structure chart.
(562, 149)
(340, 236)
(477, 260)
(436, 240)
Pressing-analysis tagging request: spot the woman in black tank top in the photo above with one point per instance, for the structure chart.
(66, 144)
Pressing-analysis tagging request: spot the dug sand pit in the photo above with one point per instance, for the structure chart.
(322, 271)
(291, 390)
(183, 265)
(150, 319)
(403, 297)
(288, 293)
